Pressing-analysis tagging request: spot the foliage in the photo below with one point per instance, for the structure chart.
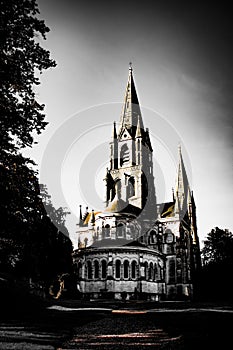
(32, 246)
(22, 59)
(218, 247)
(217, 255)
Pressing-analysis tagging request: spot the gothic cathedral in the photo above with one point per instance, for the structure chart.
(137, 248)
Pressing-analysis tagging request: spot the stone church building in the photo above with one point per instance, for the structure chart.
(137, 248)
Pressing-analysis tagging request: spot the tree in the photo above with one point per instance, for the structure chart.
(31, 245)
(218, 247)
(22, 59)
(217, 255)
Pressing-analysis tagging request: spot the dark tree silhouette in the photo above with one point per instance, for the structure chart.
(218, 247)
(217, 257)
(32, 246)
(22, 59)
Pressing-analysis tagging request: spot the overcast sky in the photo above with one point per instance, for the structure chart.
(182, 56)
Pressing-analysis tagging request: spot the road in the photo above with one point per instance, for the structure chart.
(121, 327)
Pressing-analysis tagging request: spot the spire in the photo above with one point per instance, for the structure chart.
(182, 185)
(85, 214)
(131, 109)
(80, 216)
(139, 129)
(92, 217)
(114, 133)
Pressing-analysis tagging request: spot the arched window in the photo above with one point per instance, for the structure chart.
(146, 270)
(120, 230)
(131, 187)
(107, 231)
(171, 271)
(104, 268)
(118, 269)
(96, 269)
(89, 270)
(103, 232)
(152, 237)
(150, 272)
(156, 277)
(124, 155)
(79, 269)
(133, 269)
(126, 269)
(169, 236)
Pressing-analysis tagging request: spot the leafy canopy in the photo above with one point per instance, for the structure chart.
(218, 247)
(22, 59)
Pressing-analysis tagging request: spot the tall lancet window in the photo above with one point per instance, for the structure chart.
(131, 187)
(124, 155)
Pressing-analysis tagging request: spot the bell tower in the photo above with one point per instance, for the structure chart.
(129, 179)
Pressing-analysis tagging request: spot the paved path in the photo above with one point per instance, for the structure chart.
(122, 332)
(120, 327)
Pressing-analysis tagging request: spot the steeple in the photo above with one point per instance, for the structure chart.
(80, 216)
(130, 181)
(182, 186)
(131, 109)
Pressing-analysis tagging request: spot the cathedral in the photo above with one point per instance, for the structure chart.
(137, 248)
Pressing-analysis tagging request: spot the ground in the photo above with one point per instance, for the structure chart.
(119, 325)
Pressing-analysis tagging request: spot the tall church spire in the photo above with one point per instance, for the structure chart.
(182, 185)
(131, 109)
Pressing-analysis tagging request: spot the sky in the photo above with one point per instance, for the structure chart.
(182, 54)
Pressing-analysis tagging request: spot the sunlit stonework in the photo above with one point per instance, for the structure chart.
(137, 248)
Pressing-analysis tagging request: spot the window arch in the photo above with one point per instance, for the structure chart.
(79, 270)
(107, 231)
(131, 187)
(172, 271)
(146, 270)
(169, 236)
(126, 269)
(156, 272)
(124, 155)
(120, 230)
(103, 268)
(118, 269)
(150, 271)
(96, 269)
(133, 269)
(152, 237)
(89, 270)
